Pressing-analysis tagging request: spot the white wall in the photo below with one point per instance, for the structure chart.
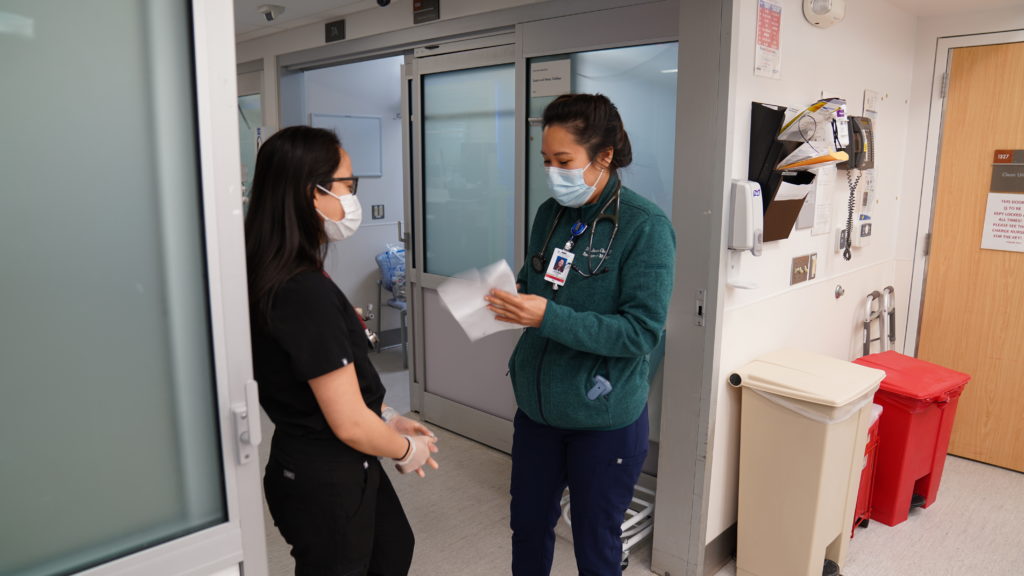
(914, 223)
(873, 48)
(370, 88)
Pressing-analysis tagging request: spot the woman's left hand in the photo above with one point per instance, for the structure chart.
(409, 427)
(523, 309)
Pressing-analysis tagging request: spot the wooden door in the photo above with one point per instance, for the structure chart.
(973, 316)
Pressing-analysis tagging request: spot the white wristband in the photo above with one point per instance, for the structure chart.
(388, 414)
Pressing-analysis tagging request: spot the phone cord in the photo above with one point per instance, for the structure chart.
(847, 255)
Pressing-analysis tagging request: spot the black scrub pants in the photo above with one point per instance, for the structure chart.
(599, 467)
(341, 516)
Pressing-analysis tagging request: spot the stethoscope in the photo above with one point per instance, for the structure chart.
(538, 261)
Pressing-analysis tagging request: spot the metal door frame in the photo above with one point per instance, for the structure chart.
(933, 147)
(481, 52)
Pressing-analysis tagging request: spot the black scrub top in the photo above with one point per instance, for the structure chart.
(313, 330)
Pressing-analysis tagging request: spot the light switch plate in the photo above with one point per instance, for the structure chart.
(800, 270)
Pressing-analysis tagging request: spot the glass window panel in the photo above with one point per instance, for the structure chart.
(468, 168)
(641, 82)
(250, 117)
(109, 440)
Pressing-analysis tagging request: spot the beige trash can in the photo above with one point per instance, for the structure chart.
(804, 426)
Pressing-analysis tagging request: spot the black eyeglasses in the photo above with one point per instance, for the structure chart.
(353, 183)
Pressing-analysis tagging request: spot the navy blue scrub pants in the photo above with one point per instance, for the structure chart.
(599, 467)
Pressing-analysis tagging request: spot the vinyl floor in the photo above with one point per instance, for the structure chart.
(460, 516)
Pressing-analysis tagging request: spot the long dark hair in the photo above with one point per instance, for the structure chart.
(594, 122)
(283, 232)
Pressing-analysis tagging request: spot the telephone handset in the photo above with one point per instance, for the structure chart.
(862, 157)
(862, 144)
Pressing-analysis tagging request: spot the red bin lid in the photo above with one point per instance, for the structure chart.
(914, 378)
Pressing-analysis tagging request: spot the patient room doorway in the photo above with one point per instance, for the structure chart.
(362, 102)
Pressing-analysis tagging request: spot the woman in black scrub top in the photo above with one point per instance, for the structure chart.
(325, 487)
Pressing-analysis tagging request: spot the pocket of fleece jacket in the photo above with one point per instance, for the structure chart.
(593, 402)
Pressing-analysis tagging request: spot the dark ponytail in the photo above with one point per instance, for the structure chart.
(594, 122)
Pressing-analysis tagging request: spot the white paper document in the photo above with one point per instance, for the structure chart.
(463, 296)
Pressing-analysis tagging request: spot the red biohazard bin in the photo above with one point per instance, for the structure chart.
(862, 511)
(919, 402)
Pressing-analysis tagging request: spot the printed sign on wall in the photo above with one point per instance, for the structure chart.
(1004, 213)
(768, 40)
(552, 78)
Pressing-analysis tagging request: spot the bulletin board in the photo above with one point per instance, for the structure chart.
(360, 137)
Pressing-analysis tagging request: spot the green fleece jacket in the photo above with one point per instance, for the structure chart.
(606, 324)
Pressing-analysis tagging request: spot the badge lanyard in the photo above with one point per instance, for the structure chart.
(562, 258)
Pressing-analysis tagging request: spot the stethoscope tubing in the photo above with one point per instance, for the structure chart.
(538, 260)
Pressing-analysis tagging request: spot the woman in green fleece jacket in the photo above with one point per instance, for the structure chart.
(593, 297)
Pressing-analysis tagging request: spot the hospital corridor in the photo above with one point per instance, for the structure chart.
(526, 287)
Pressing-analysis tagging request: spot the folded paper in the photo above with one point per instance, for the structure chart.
(463, 296)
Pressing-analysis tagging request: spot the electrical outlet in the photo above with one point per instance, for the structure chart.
(377, 211)
(841, 240)
(862, 235)
(800, 270)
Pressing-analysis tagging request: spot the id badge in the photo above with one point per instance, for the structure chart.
(558, 269)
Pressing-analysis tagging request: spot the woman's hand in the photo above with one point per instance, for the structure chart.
(418, 455)
(523, 309)
(405, 426)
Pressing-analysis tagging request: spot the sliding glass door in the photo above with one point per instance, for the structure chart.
(123, 337)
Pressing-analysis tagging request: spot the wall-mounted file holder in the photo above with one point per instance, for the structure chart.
(766, 151)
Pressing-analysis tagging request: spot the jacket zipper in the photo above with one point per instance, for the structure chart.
(540, 400)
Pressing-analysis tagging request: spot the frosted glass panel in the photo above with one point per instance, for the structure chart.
(468, 173)
(109, 440)
(641, 82)
(250, 117)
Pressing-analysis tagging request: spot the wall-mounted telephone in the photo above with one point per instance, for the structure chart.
(862, 144)
(862, 157)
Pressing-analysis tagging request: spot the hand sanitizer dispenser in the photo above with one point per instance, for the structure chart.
(746, 217)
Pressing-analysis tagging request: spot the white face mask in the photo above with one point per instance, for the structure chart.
(568, 186)
(347, 226)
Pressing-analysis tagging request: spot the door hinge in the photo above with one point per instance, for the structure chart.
(699, 316)
(248, 434)
(927, 243)
(944, 85)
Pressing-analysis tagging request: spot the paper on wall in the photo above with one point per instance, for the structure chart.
(823, 182)
(463, 296)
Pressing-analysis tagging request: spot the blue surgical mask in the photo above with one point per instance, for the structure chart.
(568, 186)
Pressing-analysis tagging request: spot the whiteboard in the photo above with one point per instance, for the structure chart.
(360, 136)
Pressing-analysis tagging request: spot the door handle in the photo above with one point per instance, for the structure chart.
(248, 433)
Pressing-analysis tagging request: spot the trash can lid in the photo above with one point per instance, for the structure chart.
(810, 377)
(914, 378)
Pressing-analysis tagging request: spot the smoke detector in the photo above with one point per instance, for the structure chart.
(824, 13)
